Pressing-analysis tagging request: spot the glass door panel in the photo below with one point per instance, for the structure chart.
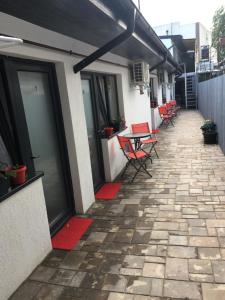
(92, 134)
(39, 112)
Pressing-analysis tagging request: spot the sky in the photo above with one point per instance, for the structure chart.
(159, 12)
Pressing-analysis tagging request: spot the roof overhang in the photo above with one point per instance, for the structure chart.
(94, 22)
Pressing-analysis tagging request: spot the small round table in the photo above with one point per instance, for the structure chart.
(137, 137)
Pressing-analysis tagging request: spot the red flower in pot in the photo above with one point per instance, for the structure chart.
(20, 174)
(108, 131)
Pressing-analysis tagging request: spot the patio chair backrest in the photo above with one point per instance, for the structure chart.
(140, 127)
(173, 102)
(162, 110)
(168, 105)
(125, 144)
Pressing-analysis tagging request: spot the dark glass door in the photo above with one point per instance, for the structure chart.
(93, 133)
(38, 119)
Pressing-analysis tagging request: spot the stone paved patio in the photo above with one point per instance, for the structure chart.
(162, 238)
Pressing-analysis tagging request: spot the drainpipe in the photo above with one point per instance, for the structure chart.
(108, 46)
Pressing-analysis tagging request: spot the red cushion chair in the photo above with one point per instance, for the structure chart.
(133, 156)
(167, 118)
(144, 128)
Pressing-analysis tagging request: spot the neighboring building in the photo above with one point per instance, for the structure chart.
(190, 45)
(55, 106)
(196, 39)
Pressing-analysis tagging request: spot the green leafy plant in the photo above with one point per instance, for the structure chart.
(208, 126)
(6, 171)
(218, 32)
(118, 123)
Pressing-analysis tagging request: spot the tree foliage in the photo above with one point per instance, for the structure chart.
(219, 32)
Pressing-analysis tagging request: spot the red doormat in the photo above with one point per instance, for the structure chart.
(71, 233)
(108, 191)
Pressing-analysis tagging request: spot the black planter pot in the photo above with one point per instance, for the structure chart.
(210, 137)
(4, 186)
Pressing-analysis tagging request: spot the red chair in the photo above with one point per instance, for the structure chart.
(174, 105)
(144, 127)
(133, 156)
(166, 117)
(170, 109)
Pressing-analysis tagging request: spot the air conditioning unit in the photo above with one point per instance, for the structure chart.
(140, 73)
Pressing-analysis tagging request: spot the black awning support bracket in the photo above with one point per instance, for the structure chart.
(108, 46)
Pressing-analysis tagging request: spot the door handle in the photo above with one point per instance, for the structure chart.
(35, 157)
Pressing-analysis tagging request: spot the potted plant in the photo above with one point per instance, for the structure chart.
(118, 123)
(108, 131)
(209, 132)
(20, 174)
(5, 174)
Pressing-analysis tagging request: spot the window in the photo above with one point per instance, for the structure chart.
(107, 101)
(153, 98)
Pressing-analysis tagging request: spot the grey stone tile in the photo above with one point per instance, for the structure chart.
(73, 260)
(200, 266)
(139, 285)
(141, 236)
(96, 237)
(54, 258)
(201, 277)
(182, 252)
(130, 272)
(209, 253)
(177, 268)
(92, 281)
(124, 236)
(182, 289)
(153, 270)
(213, 291)
(112, 264)
(203, 241)
(178, 240)
(219, 271)
(145, 249)
(49, 291)
(62, 277)
(27, 291)
(115, 283)
(120, 296)
(133, 261)
(42, 273)
(157, 287)
(77, 279)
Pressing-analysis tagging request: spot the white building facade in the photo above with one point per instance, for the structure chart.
(24, 216)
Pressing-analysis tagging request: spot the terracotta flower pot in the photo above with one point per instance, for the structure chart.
(20, 177)
(108, 131)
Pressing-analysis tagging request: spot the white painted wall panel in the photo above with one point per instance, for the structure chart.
(25, 238)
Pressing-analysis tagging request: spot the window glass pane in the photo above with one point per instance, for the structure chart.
(4, 155)
(112, 95)
(101, 103)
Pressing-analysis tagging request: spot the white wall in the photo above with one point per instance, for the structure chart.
(135, 107)
(25, 238)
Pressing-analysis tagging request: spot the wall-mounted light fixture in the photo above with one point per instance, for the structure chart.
(7, 41)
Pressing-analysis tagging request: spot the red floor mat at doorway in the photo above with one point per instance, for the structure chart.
(71, 233)
(108, 191)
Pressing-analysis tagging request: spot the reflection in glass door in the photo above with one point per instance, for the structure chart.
(93, 138)
(38, 106)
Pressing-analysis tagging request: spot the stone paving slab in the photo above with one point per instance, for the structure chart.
(162, 238)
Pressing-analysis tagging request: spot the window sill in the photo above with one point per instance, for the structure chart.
(14, 190)
(114, 134)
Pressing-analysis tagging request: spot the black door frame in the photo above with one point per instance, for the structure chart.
(94, 93)
(11, 66)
